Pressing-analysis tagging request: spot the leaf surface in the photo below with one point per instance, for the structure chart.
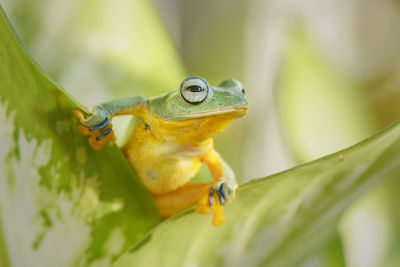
(278, 220)
(61, 202)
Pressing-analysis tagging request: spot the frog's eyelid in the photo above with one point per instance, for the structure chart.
(193, 82)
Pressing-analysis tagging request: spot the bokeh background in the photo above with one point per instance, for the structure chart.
(319, 75)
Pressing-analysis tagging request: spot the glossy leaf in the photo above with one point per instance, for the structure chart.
(61, 203)
(278, 220)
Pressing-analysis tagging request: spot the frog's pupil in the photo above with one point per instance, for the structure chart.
(195, 88)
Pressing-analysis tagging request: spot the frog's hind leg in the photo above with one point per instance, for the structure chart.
(206, 195)
(173, 202)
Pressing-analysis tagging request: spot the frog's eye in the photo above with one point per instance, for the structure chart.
(194, 90)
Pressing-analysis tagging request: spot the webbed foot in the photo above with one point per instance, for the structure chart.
(98, 127)
(214, 198)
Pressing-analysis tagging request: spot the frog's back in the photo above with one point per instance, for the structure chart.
(162, 166)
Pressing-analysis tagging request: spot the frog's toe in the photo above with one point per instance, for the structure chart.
(218, 215)
(79, 114)
(98, 141)
(107, 136)
(220, 193)
(99, 133)
(202, 208)
(203, 204)
(96, 145)
(217, 201)
(82, 130)
(104, 135)
(100, 126)
(212, 199)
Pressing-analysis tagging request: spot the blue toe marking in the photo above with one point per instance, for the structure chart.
(101, 125)
(210, 196)
(105, 133)
(221, 199)
(220, 194)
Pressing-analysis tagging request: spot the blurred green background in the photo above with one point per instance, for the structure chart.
(320, 76)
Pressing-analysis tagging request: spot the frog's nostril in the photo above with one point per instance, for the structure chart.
(243, 91)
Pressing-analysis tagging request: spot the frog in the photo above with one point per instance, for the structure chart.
(172, 139)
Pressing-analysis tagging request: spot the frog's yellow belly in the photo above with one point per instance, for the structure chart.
(162, 166)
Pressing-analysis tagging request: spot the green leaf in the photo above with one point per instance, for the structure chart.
(333, 253)
(60, 201)
(278, 220)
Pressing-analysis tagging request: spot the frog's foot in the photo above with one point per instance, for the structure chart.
(99, 134)
(214, 198)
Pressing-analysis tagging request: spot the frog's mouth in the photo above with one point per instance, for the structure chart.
(228, 113)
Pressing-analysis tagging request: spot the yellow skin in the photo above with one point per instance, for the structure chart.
(172, 139)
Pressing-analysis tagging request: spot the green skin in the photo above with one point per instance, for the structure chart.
(173, 107)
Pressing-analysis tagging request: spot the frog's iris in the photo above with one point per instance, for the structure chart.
(194, 90)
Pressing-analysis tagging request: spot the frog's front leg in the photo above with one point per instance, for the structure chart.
(98, 124)
(217, 194)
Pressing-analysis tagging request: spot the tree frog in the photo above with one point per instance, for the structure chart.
(171, 140)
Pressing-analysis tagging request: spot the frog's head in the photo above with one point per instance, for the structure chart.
(197, 99)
